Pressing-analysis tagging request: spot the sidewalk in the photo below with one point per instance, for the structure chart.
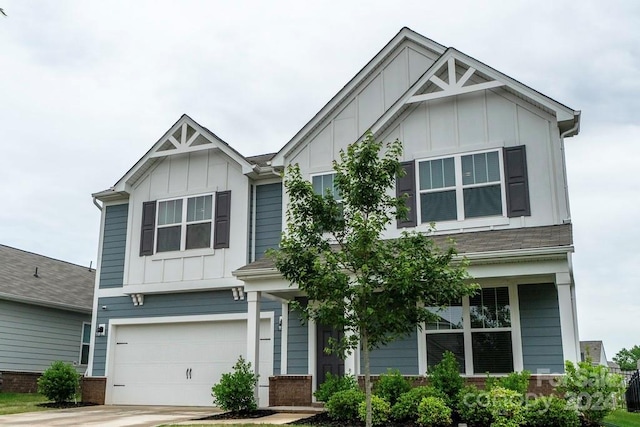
(285, 415)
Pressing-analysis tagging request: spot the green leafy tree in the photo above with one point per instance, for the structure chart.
(374, 290)
(628, 359)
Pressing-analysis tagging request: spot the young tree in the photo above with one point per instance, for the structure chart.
(628, 359)
(375, 290)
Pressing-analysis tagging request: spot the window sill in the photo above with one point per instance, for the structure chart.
(159, 256)
(466, 224)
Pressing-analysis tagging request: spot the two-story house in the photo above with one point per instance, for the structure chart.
(183, 287)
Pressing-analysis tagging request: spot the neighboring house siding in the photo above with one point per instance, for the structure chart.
(297, 347)
(401, 354)
(113, 246)
(31, 337)
(268, 217)
(540, 325)
(186, 304)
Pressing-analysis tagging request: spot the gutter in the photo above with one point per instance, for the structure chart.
(567, 133)
(95, 202)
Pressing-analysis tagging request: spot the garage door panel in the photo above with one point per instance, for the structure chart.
(152, 368)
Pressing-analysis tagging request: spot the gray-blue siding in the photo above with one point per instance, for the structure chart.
(113, 246)
(184, 304)
(401, 354)
(540, 326)
(297, 347)
(268, 218)
(31, 337)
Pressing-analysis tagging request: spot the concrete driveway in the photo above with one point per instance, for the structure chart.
(108, 416)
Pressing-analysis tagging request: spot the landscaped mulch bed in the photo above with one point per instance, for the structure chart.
(324, 420)
(239, 415)
(64, 405)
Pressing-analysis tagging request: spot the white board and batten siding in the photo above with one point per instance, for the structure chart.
(177, 363)
(197, 173)
(483, 120)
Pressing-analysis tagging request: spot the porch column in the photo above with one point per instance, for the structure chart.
(352, 361)
(253, 334)
(568, 325)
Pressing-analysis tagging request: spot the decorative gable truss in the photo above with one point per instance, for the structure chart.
(453, 84)
(185, 139)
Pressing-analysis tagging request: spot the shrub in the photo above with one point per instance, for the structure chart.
(445, 376)
(391, 385)
(591, 389)
(59, 382)
(550, 411)
(333, 384)
(343, 405)
(516, 381)
(473, 406)
(380, 411)
(506, 407)
(406, 408)
(433, 412)
(235, 391)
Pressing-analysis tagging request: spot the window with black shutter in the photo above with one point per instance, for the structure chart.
(516, 181)
(148, 228)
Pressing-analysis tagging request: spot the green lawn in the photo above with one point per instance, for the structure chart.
(15, 403)
(622, 418)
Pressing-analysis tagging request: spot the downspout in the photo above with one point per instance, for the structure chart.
(575, 127)
(95, 202)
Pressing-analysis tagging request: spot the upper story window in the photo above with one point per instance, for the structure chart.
(493, 183)
(186, 223)
(325, 183)
(461, 187)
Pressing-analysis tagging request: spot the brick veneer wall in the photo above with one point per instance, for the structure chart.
(290, 390)
(19, 382)
(93, 389)
(295, 390)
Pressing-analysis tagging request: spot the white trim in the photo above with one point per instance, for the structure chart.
(516, 338)
(96, 293)
(422, 349)
(284, 339)
(182, 286)
(184, 222)
(109, 293)
(311, 355)
(570, 351)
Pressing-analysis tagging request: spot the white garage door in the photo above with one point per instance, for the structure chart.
(178, 363)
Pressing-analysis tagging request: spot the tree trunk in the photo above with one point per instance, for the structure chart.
(367, 375)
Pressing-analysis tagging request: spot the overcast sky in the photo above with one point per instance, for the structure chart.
(86, 87)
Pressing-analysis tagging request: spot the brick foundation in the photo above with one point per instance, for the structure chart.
(93, 389)
(19, 382)
(290, 390)
(295, 390)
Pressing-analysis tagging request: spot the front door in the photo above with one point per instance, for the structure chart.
(327, 362)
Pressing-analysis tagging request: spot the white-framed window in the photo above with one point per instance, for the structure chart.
(461, 186)
(477, 330)
(323, 183)
(184, 223)
(85, 339)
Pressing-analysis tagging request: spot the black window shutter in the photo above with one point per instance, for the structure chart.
(222, 220)
(148, 228)
(516, 182)
(407, 185)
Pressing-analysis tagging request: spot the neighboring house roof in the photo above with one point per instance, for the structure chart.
(593, 349)
(58, 284)
(484, 242)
